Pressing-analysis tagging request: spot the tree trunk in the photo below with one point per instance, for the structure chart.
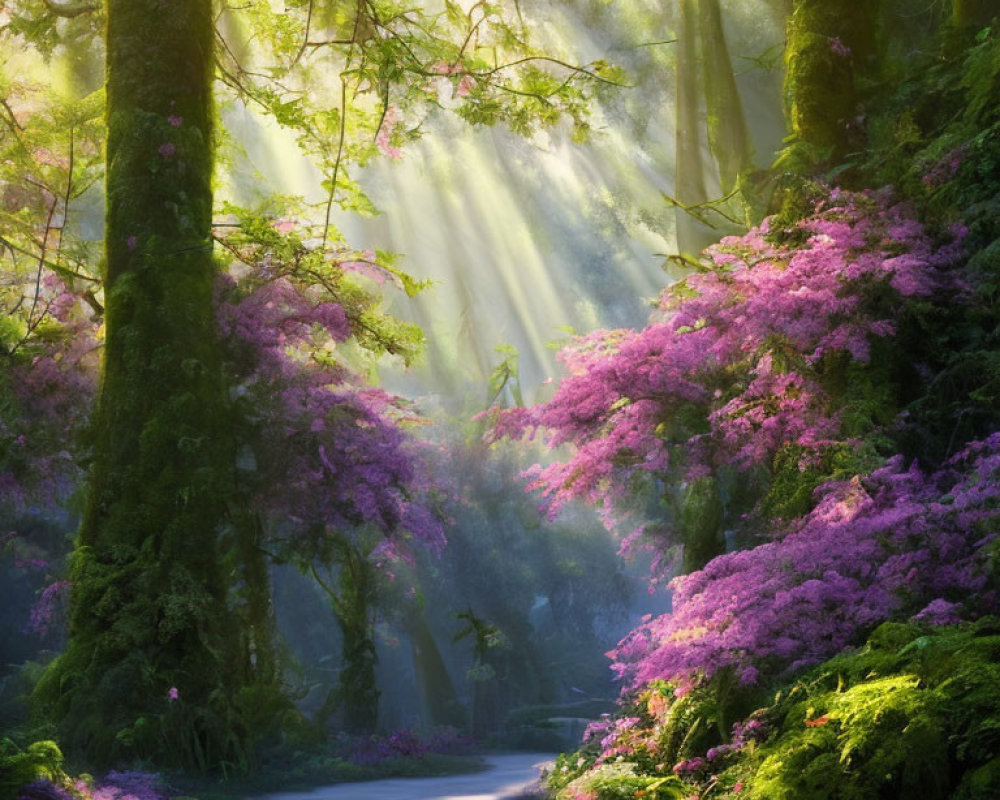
(257, 625)
(436, 687)
(701, 520)
(728, 135)
(973, 12)
(826, 42)
(689, 170)
(149, 604)
(358, 690)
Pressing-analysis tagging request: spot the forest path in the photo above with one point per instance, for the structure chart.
(507, 777)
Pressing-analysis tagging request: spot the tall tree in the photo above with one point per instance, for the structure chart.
(149, 607)
(827, 41)
(169, 654)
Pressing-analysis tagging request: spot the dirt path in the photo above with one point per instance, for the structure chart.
(508, 776)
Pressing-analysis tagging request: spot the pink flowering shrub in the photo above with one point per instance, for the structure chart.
(745, 360)
(898, 544)
(321, 450)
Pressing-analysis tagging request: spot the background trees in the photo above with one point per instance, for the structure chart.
(232, 425)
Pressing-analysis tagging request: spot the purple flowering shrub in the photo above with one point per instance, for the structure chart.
(320, 446)
(126, 785)
(900, 543)
(115, 786)
(402, 744)
(36, 773)
(744, 361)
(46, 390)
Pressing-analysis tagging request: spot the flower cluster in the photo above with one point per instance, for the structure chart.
(47, 393)
(131, 785)
(322, 450)
(746, 343)
(402, 743)
(897, 544)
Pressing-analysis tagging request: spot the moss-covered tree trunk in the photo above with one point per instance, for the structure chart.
(249, 565)
(828, 43)
(149, 610)
(974, 12)
(701, 521)
(353, 604)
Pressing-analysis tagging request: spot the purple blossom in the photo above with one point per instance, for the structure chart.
(895, 544)
(719, 349)
(167, 149)
(331, 453)
(47, 607)
(837, 47)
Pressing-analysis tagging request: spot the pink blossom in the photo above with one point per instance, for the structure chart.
(465, 86)
(839, 48)
(173, 693)
(718, 349)
(896, 543)
(383, 139)
(167, 149)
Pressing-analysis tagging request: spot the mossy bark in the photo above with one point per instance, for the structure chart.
(352, 602)
(701, 523)
(973, 12)
(149, 603)
(826, 42)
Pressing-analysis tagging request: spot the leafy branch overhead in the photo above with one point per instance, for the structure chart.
(395, 63)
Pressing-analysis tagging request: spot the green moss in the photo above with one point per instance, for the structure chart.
(827, 42)
(38, 761)
(701, 521)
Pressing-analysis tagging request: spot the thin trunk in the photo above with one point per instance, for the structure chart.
(257, 625)
(352, 601)
(689, 181)
(728, 135)
(357, 678)
(436, 687)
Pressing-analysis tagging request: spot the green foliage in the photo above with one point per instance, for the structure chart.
(396, 63)
(337, 272)
(619, 781)
(916, 713)
(39, 760)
